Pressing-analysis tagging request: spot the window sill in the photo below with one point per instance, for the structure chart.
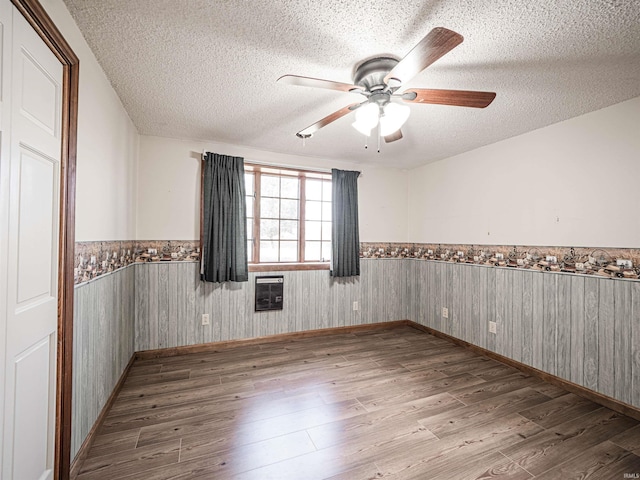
(287, 267)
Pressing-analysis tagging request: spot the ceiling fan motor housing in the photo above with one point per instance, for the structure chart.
(370, 74)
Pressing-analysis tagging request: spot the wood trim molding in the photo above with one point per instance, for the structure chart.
(88, 441)
(611, 403)
(255, 242)
(295, 171)
(286, 267)
(40, 21)
(215, 346)
(38, 18)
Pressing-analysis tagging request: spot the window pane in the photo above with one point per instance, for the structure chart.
(269, 208)
(276, 237)
(288, 251)
(289, 229)
(313, 189)
(289, 187)
(326, 230)
(268, 251)
(312, 251)
(312, 230)
(289, 209)
(326, 211)
(326, 191)
(268, 230)
(269, 186)
(313, 211)
(326, 251)
(250, 228)
(248, 183)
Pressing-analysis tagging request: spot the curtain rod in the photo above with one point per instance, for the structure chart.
(282, 165)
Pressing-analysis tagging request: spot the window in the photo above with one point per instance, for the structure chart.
(288, 215)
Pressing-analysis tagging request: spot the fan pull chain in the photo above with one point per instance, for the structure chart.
(378, 138)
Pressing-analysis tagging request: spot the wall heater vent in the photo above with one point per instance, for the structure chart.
(269, 293)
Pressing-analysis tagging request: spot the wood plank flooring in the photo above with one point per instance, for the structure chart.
(392, 404)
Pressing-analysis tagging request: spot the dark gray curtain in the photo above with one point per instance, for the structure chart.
(224, 223)
(345, 238)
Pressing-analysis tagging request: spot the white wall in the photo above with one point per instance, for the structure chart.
(574, 183)
(107, 146)
(169, 189)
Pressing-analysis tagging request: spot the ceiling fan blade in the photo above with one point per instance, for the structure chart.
(318, 83)
(311, 129)
(397, 135)
(434, 45)
(458, 98)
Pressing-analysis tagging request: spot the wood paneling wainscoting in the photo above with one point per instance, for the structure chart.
(103, 345)
(170, 301)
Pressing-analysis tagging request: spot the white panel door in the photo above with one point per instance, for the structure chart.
(5, 115)
(32, 226)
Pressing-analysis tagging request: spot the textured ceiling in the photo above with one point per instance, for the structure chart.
(207, 69)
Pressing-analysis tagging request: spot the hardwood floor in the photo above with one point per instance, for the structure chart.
(396, 404)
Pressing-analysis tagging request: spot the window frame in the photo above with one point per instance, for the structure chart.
(302, 174)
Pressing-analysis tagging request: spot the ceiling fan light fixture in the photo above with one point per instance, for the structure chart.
(393, 117)
(367, 118)
(362, 129)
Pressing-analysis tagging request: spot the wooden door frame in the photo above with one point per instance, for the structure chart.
(37, 17)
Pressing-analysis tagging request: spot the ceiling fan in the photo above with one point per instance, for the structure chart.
(380, 78)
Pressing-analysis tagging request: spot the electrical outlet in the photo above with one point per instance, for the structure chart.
(174, 255)
(445, 312)
(493, 327)
(552, 259)
(356, 306)
(499, 256)
(205, 319)
(624, 263)
(461, 254)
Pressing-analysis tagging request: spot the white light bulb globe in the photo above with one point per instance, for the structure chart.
(393, 118)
